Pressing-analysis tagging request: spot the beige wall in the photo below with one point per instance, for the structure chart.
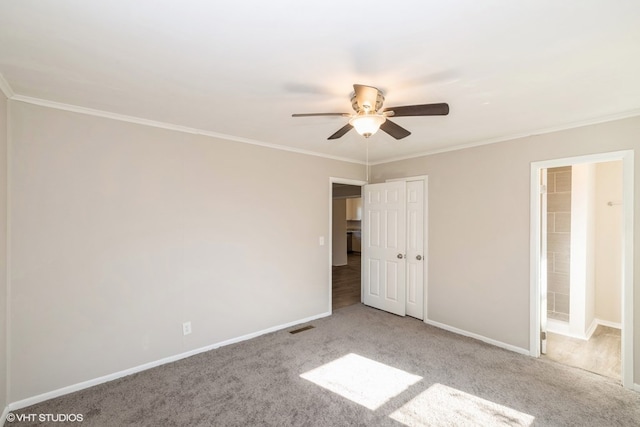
(3, 250)
(479, 274)
(582, 274)
(608, 241)
(121, 232)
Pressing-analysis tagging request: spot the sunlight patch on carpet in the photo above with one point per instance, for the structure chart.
(361, 380)
(442, 405)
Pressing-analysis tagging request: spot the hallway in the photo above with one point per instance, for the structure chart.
(345, 282)
(601, 354)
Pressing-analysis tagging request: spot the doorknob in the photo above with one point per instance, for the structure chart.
(419, 257)
(399, 256)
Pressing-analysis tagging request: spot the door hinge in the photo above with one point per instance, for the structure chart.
(543, 189)
(543, 335)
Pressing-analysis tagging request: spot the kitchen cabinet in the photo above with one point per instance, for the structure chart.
(354, 209)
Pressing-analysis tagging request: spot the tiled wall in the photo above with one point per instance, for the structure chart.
(558, 241)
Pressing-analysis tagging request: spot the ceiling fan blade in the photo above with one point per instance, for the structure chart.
(344, 129)
(366, 95)
(320, 114)
(441, 109)
(396, 131)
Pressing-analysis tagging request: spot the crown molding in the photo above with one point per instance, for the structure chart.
(171, 126)
(566, 126)
(6, 88)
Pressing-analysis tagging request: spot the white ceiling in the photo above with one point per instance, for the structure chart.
(241, 68)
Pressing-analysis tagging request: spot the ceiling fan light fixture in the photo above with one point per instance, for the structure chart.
(369, 115)
(367, 124)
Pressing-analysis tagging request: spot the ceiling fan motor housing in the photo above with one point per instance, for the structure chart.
(368, 105)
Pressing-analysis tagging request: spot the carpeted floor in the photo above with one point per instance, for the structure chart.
(361, 367)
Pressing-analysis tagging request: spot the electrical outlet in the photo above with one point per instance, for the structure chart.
(186, 328)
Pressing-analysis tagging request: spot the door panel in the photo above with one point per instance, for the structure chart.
(384, 266)
(374, 277)
(393, 234)
(392, 284)
(415, 249)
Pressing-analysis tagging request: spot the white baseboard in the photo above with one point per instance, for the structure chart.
(592, 329)
(558, 327)
(90, 383)
(563, 328)
(616, 325)
(478, 337)
(114, 376)
(3, 418)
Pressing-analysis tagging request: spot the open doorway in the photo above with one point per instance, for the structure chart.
(582, 211)
(584, 266)
(346, 238)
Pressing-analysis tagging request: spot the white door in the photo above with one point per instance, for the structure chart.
(415, 249)
(384, 266)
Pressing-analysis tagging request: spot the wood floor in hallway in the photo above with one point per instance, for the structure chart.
(345, 282)
(601, 354)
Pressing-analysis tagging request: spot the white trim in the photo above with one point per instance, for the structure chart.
(336, 180)
(9, 257)
(562, 328)
(535, 320)
(5, 87)
(356, 182)
(171, 126)
(615, 325)
(482, 338)
(3, 417)
(627, 352)
(636, 387)
(627, 157)
(572, 125)
(591, 330)
(599, 322)
(90, 383)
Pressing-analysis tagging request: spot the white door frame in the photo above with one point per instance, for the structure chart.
(425, 256)
(627, 157)
(336, 180)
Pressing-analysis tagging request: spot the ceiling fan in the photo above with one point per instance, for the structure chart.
(369, 115)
